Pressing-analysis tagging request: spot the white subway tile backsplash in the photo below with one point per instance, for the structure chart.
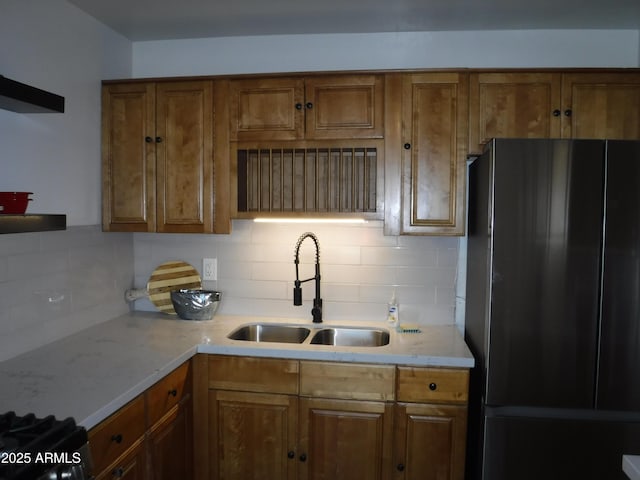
(447, 257)
(398, 256)
(360, 267)
(53, 284)
(273, 272)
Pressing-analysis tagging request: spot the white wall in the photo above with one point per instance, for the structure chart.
(286, 53)
(55, 283)
(52, 45)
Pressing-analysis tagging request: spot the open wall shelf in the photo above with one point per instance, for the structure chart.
(31, 223)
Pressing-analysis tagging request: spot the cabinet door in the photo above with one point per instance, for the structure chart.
(601, 105)
(344, 106)
(132, 465)
(252, 435)
(429, 442)
(184, 134)
(513, 105)
(267, 109)
(128, 157)
(114, 436)
(434, 114)
(344, 439)
(171, 446)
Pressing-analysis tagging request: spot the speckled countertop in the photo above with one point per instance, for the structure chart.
(93, 373)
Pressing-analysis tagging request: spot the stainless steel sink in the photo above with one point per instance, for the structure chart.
(262, 332)
(351, 337)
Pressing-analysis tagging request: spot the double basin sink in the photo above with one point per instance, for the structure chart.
(334, 336)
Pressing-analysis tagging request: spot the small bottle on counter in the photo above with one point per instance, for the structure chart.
(393, 311)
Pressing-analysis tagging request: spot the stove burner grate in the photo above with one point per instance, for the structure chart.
(27, 438)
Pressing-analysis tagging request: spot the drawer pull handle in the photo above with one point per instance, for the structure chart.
(400, 467)
(303, 457)
(173, 393)
(117, 438)
(433, 386)
(291, 454)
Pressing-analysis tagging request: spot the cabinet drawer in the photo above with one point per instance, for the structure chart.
(168, 392)
(432, 385)
(111, 438)
(251, 374)
(347, 381)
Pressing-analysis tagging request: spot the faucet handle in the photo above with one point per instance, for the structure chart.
(297, 296)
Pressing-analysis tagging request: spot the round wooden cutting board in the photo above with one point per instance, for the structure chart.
(174, 275)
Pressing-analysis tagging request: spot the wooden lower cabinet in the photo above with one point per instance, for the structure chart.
(252, 435)
(332, 421)
(151, 437)
(429, 441)
(170, 444)
(131, 465)
(344, 439)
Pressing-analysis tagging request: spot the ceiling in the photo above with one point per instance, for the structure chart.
(141, 20)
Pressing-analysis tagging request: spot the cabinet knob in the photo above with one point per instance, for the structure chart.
(303, 457)
(433, 386)
(173, 393)
(298, 106)
(291, 454)
(158, 139)
(567, 112)
(400, 467)
(556, 113)
(309, 105)
(148, 139)
(118, 473)
(117, 438)
(407, 146)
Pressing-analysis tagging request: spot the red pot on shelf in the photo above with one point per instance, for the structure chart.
(14, 202)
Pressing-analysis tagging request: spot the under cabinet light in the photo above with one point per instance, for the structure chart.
(308, 220)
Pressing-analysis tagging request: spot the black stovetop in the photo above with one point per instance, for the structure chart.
(29, 446)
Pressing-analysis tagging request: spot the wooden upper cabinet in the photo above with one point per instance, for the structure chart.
(157, 158)
(513, 105)
(601, 105)
(434, 151)
(344, 106)
(553, 105)
(128, 162)
(298, 108)
(184, 156)
(267, 109)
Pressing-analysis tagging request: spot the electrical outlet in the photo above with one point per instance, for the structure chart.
(209, 269)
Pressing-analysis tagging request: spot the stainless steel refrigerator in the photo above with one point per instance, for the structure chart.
(553, 309)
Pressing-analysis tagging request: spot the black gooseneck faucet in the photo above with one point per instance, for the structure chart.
(316, 311)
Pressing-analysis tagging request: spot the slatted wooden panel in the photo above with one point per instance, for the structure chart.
(341, 179)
